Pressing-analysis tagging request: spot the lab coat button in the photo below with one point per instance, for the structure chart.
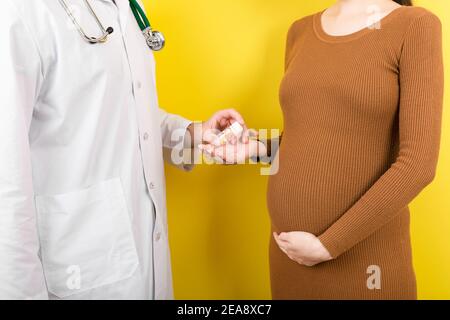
(146, 136)
(158, 236)
(139, 85)
(151, 186)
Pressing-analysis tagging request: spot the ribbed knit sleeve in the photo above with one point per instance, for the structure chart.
(420, 109)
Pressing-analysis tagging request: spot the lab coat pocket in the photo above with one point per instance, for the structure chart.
(86, 238)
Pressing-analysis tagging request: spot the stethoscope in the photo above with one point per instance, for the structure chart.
(155, 39)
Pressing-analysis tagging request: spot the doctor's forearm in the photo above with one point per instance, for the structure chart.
(21, 272)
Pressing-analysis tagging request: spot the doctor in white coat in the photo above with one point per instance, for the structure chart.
(82, 190)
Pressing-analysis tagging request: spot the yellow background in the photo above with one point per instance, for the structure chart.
(230, 53)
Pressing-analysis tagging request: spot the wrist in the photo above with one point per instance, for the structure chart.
(195, 132)
(322, 251)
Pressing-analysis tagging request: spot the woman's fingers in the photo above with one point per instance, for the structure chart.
(206, 148)
(245, 135)
(284, 236)
(283, 245)
(210, 136)
(283, 242)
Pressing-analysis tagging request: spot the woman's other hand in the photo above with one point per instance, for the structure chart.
(302, 247)
(238, 151)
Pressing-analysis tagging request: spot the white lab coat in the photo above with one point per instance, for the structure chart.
(81, 157)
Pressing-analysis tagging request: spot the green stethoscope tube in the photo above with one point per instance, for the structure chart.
(140, 15)
(155, 39)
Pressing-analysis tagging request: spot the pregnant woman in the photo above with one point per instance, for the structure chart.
(362, 112)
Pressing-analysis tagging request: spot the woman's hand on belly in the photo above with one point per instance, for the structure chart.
(302, 247)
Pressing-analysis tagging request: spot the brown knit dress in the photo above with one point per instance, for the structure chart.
(362, 116)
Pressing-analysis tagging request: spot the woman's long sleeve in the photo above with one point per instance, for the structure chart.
(420, 111)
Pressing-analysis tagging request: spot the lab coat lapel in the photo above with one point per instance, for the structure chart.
(124, 13)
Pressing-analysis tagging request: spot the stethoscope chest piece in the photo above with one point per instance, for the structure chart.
(155, 39)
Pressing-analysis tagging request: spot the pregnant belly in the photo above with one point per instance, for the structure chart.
(311, 193)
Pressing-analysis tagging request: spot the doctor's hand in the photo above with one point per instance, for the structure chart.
(302, 247)
(219, 122)
(206, 132)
